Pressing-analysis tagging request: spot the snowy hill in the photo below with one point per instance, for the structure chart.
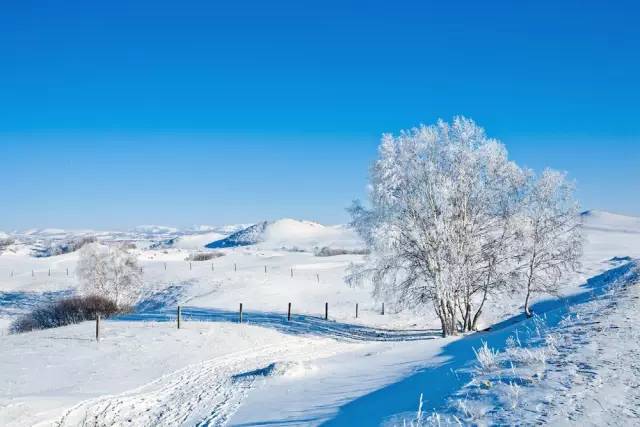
(196, 241)
(601, 220)
(291, 234)
(248, 236)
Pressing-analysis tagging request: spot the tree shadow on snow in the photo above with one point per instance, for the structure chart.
(15, 302)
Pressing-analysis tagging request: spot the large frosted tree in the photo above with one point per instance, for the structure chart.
(445, 221)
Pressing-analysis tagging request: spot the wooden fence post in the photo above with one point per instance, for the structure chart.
(318, 276)
(98, 328)
(240, 312)
(383, 309)
(326, 311)
(179, 316)
(289, 313)
(49, 272)
(165, 266)
(356, 310)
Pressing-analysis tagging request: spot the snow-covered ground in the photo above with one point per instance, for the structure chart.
(576, 365)
(345, 371)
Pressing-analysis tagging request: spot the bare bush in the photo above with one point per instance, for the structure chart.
(328, 251)
(6, 242)
(204, 256)
(66, 312)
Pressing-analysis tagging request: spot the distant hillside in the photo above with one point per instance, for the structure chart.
(601, 220)
(248, 236)
(291, 234)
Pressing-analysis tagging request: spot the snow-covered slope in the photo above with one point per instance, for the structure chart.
(292, 234)
(247, 236)
(601, 220)
(196, 241)
(156, 381)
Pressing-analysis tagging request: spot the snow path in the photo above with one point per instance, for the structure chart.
(203, 394)
(146, 373)
(595, 376)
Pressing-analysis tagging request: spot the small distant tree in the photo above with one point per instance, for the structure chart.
(112, 273)
(550, 236)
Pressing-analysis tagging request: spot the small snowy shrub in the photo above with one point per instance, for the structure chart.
(473, 410)
(512, 395)
(486, 357)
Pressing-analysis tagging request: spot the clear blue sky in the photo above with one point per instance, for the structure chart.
(119, 113)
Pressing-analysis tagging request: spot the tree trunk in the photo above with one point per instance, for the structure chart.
(527, 309)
(474, 324)
(447, 316)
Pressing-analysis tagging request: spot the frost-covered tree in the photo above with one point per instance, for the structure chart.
(109, 272)
(550, 236)
(452, 221)
(440, 224)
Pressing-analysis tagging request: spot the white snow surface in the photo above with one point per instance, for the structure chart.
(611, 221)
(267, 370)
(291, 233)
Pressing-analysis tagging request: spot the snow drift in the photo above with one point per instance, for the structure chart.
(607, 221)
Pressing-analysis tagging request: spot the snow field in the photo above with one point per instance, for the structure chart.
(576, 365)
(148, 373)
(143, 373)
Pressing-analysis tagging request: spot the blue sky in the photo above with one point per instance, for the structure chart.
(180, 113)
